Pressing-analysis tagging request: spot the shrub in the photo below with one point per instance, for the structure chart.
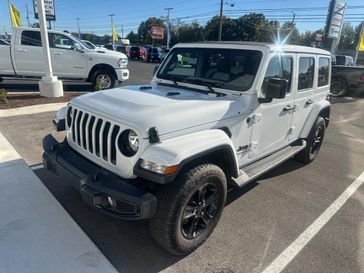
(3, 96)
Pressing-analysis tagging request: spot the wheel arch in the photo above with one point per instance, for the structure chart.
(320, 109)
(210, 146)
(99, 67)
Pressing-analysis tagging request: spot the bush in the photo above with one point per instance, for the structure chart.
(3, 96)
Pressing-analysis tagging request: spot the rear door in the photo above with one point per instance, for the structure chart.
(305, 83)
(28, 54)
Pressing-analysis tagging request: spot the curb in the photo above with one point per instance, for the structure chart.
(37, 234)
(33, 109)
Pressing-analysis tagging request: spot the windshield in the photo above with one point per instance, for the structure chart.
(82, 42)
(233, 69)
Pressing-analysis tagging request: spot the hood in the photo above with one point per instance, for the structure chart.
(103, 52)
(167, 108)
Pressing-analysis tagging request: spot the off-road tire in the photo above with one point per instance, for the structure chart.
(339, 87)
(309, 154)
(106, 72)
(166, 227)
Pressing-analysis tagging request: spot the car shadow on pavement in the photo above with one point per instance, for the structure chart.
(353, 96)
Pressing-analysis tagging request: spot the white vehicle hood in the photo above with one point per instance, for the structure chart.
(154, 107)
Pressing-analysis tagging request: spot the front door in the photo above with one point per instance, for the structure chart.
(272, 120)
(67, 62)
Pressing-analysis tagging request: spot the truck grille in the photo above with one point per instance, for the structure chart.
(94, 134)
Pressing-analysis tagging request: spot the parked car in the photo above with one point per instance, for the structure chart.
(109, 47)
(346, 76)
(71, 59)
(89, 44)
(165, 53)
(214, 115)
(154, 54)
(137, 53)
(121, 49)
(4, 42)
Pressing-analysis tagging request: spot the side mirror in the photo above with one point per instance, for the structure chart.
(277, 88)
(78, 48)
(155, 69)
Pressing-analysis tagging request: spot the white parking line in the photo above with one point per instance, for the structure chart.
(293, 249)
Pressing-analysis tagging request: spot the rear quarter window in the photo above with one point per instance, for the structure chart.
(306, 73)
(31, 38)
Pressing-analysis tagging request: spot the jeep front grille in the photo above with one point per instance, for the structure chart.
(95, 135)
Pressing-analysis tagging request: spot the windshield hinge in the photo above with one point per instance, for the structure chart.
(257, 117)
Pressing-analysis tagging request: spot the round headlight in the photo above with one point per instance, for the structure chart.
(133, 140)
(128, 143)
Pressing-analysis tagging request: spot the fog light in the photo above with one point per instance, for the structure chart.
(110, 201)
(158, 168)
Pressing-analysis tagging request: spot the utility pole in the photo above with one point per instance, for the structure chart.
(78, 26)
(168, 27)
(26, 7)
(360, 38)
(122, 31)
(221, 12)
(112, 30)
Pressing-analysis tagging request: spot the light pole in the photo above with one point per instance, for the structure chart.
(49, 86)
(112, 30)
(220, 25)
(78, 26)
(168, 30)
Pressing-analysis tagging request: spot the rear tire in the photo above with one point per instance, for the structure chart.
(103, 79)
(314, 142)
(339, 87)
(189, 209)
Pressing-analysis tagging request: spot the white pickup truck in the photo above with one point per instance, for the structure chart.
(71, 59)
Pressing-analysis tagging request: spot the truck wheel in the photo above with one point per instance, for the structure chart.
(103, 79)
(189, 209)
(314, 141)
(339, 87)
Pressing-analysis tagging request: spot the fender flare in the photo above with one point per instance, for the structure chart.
(321, 108)
(184, 150)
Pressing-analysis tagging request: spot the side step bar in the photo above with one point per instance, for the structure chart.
(256, 169)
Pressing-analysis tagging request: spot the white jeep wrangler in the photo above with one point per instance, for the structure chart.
(215, 114)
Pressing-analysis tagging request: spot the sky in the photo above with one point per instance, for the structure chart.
(94, 14)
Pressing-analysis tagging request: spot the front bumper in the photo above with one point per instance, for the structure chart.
(98, 186)
(122, 74)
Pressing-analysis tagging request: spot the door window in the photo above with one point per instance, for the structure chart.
(61, 41)
(323, 73)
(31, 38)
(306, 72)
(279, 67)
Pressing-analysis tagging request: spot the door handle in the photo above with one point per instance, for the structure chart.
(22, 50)
(288, 108)
(309, 102)
(58, 53)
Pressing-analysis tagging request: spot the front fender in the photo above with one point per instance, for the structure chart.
(317, 109)
(185, 149)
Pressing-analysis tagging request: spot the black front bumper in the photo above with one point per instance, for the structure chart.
(97, 185)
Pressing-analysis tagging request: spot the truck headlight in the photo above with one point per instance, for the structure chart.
(128, 143)
(123, 62)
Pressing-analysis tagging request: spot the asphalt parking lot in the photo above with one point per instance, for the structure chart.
(260, 220)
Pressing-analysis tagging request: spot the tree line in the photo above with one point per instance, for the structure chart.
(249, 27)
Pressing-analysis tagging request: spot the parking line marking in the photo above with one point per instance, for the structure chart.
(293, 249)
(37, 167)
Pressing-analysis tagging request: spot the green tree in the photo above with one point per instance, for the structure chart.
(246, 26)
(133, 37)
(348, 37)
(190, 33)
(266, 31)
(145, 27)
(211, 31)
(290, 34)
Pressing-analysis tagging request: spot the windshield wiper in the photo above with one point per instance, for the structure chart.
(209, 84)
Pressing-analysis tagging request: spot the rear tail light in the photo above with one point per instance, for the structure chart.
(362, 77)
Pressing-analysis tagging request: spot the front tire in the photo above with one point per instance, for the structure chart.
(103, 79)
(314, 142)
(189, 209)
